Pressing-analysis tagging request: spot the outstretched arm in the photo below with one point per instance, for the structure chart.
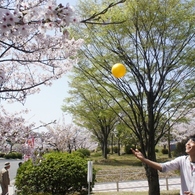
(188, 193)
(150, 163)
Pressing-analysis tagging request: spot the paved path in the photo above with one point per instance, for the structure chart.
(11, 188)
(12, 172)
(173, 184)
(165, 184)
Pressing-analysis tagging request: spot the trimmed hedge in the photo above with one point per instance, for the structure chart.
(13, 155)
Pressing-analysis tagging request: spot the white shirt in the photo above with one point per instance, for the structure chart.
(187, 172)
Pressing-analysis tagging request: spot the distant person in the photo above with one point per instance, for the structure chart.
(185, 164)
(4, 179)
(19, 164)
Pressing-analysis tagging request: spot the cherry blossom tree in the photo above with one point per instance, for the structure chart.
(16, 134)
(184, 129)
(67, 137)
(13, 130)
(35, 49)
(35, 46)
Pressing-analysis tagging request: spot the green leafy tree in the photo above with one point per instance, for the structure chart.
(90, 110)
(156, 44)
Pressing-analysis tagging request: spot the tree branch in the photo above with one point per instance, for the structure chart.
(95, 15)
(53, 122)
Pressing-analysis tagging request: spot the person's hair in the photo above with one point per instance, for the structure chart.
(19, 164)
(192, 137)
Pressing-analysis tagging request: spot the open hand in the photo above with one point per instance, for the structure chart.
(188, 193)
(137, 153)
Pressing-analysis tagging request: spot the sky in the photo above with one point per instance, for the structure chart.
(46, 105)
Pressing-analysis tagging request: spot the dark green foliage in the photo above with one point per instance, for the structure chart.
(84, 151)
(115, 149)
(180, 148)
(19, 155)
(165, 151)
(2, 155)
(58, 174)
(40, 193)
(13, 155)
(128, 149)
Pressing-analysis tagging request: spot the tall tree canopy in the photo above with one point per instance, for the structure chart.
(90, 110)
(156, 44)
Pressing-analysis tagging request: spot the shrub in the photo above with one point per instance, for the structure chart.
(7, 156)
(115, 149)
(40, 193)
(58, 173)
(13, 155)
(180, 148)
(165, 151)
(128, 149)
(19, 155)
(2, 155)
(84, 151)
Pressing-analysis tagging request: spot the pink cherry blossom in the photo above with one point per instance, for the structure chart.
(35, 46)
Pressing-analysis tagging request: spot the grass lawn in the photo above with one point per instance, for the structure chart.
(123, 168)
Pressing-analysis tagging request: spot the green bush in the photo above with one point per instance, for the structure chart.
(84, 151)
(13, 155)
(115, 149)
(180, 148)
(128, 149)
(40, 193)
(165, 151)
(58, 173)
(19, 155)
(7, 156)
(2, 155)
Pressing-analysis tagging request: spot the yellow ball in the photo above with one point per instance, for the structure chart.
(118, 70)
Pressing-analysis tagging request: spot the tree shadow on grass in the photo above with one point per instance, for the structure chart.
(115, 162)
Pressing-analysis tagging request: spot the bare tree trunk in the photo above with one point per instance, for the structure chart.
(119, 147)
(169, 143)
(105, 149)
(153, 181)
(112, 143)
(11, 146)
